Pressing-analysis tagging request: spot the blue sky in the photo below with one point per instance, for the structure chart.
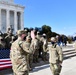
(59, 14)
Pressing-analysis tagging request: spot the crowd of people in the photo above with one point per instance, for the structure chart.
(6, 39)
(26, 47)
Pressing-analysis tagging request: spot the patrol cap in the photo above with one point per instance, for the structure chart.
(44, 34)
(53, 39)
(20, 32)
(25, 30)
(38, 32)
(57, 36)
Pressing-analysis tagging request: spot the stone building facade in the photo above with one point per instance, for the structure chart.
(11, 16)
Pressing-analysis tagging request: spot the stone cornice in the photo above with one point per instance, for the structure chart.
(11, 4)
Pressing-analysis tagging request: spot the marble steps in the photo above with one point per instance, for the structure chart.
(69, 54)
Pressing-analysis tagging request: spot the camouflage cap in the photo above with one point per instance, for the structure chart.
(38, 32)
(53, 39)
(25, 30)
(57, 36)
(19, 32)
(44, 34)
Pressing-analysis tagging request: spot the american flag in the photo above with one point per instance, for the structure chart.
(5, 61)
(5, 64)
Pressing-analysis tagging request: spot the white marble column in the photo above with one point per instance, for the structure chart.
(0, 20)
(22, 20)
(8, 19)
(15, 21)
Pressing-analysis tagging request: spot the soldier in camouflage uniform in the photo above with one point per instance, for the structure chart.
(35, 44)
(44, 46)
(38, 37)
(55, 57)
(29, 56)
(18, 55)
(8, 39)
(2, 43)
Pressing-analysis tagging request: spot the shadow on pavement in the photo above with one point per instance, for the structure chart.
(6, 72)
(40, 68)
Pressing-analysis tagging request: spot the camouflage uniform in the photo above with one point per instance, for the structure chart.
(40, 44)
(56, 58)
(35, 45)
(8, 40)
(29, 56)
(44, 46)
(18, 55)
(2, 43)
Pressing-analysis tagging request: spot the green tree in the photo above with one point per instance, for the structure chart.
(54, 34)
(47, 30)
